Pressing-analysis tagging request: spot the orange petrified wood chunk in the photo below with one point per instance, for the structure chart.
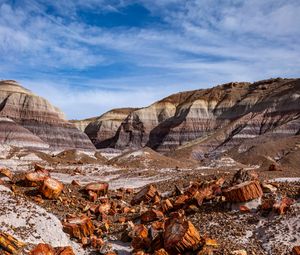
(151, 215)
(243, 192)
(36, 178)
(10, 244)
(146, 195)
(79, 227)
(180, 235)
(43, 249)
(100, 188)
(296, 250)
(51, 188)
(64, 251)
(6, 172)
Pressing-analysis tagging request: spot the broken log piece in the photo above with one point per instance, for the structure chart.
(36, 178)
(243, 192)
(100, 188)
(166, 205)
(10, 244)
(151, 215)
(139, 235)
(96, 242)
(6, 173)
(296, 250)
(180, 235)
(79, 227)
(64, 251)
(104, 208)
(181, 201)
(43, 249)
(51, 188)
(161, 251)
(92, 196)
(146, 195)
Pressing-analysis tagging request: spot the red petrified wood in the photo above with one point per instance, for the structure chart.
(64, 251)
(146, 195)
(296, 250)
(79, 227)
(139, 235)
(51, 188)
(100, 188)
(243, 192)
(151, 215)
(36, 178)
(43, 249)
(180, 235)
(6, 172)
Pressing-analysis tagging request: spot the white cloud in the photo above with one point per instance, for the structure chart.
(203, 43)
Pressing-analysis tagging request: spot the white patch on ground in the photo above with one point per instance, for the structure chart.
(286, 231)
(287, 179)
(31, 223)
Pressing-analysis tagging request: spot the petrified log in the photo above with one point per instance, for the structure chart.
(181, 201)
(79, 227)
(7, 173)
(161, 252)
(64, 251)
(36, 178)
(166, 205)
(180, 235)
(243, 192)
(139, 235)
(151, 215)
(100, 188)
(10, 244)
(296, 250)
(43, 249)
(92, 196)
(51, 188)
(146, 195)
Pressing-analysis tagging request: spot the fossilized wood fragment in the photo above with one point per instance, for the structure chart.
(6, 172)
(146, 195)
(151, 215)
(296, 250)
(139, 235)
(51, 188)
(79, 227)
(166, 205)
(243, 192)
(36, 178)
(43, 249)
(100, 188)
(64, 251)
(180, 235)
(10, 244)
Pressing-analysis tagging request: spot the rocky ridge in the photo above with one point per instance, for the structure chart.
(206, 123)
(31, 121)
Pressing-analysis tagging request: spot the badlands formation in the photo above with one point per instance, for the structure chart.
(214, 171)
(31, 121)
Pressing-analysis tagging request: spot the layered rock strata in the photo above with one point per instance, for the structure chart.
(27, 120)
(209, 121)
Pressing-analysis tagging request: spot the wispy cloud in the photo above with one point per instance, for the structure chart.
(48, 46)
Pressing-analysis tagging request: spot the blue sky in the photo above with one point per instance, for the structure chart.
(88, 56)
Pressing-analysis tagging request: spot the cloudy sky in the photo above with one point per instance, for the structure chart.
(88, 56)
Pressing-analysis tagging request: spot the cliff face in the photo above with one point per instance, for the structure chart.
(103, 131)
(210, 121)
(31, 121)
